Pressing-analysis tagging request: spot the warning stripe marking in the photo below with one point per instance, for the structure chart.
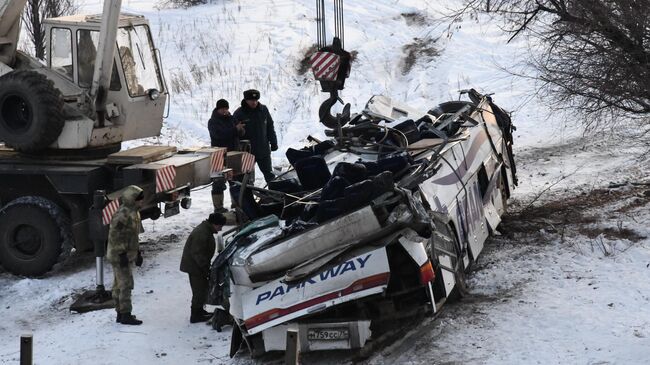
(165, 178)
(325, 65)
(329, 69)
(217, 161)
(248, 163)
(322, 59)
(109, 210)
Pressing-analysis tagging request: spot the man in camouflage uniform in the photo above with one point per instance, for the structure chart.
(197, 255)
(124, 251)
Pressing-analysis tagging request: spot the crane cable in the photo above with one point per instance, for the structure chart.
(321, 29)
(320, 24)
(339, 28)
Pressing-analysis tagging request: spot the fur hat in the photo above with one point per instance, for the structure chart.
(222, 103)
(251, 94)
(217, 219)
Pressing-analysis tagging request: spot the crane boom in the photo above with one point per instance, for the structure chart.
(10, 12)
(104, 60)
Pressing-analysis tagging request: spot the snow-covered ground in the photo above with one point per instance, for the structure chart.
(542, 292)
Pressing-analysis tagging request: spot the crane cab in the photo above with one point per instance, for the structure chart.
(137, 95)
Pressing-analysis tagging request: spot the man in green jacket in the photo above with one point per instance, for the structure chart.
(196, 259)
(124, 251)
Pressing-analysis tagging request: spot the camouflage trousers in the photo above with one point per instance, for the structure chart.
(122, 286)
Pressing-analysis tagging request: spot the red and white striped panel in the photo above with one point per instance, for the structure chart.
(325, 65)
(247, 163)
(218, 159)
(109, 210)
(165, 178)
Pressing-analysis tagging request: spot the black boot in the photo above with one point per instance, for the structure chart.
(118, 318)
(221, 318)
(199, 315)
(129, 319)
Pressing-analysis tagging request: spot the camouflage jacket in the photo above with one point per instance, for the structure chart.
(125, 227)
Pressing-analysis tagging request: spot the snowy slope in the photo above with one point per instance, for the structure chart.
(221, 49)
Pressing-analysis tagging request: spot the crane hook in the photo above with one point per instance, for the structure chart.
(325, 112)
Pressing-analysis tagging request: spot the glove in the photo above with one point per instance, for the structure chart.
(124, 261)
(138, 260)
(241, 128)
(274, 147)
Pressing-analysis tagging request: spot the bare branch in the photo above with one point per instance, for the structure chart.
(592, 56)
(38, 10)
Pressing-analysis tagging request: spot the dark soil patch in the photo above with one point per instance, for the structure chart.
(159, 244)
(612, 233)
(305, 63)
(76, 262)
(420, 49)
(635, 202)
(555, 216)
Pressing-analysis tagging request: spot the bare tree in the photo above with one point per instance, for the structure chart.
(38, 10)
(593, 55)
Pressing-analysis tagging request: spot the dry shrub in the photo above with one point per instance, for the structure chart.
(415, 18)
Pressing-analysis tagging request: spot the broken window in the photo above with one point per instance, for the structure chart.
(483, 181)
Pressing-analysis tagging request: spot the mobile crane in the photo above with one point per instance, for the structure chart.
(62, 124)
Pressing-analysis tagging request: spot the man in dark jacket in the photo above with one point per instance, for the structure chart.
(197, 255)
(259, 130)
(224, 132)
(224, 129)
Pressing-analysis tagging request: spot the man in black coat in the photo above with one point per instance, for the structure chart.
(196, 259)
(225, 131)
(259, 130)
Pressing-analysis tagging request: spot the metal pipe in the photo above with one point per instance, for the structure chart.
(99, 235)
(99, 263)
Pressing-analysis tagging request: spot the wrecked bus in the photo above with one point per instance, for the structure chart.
(384, 218)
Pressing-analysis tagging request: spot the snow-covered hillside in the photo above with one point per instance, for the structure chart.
(221, 49)
(532, 301)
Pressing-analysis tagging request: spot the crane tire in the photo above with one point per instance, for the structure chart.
(34, 235)
(31, 111)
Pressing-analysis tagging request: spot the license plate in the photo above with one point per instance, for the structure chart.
(329, 334)
(172, 209)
